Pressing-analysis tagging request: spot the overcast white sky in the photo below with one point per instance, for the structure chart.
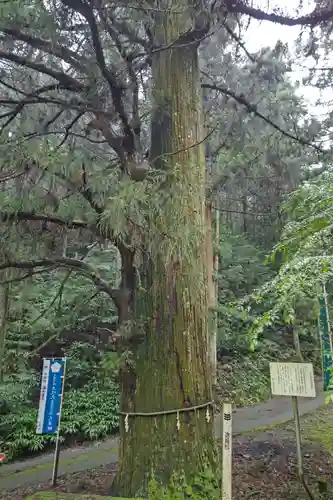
(261, 34)
(264, 32)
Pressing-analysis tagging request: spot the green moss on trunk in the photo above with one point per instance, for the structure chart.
(172, 367)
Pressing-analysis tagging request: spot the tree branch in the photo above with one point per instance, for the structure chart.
(75, 104)
(21, 216)
(116, 89)
(114, 35)
(87, 194)
(68, 129)
(77, 265)
(59, 292)
(252, 108)
(238, 40)
(314, 18)
(37, 92)
(31, 216)
(42, 346)
(18, 279)
(66, 81)
(52, 48)
(124, 28)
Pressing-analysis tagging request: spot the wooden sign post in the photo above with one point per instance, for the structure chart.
(294, 380)
(227, 452)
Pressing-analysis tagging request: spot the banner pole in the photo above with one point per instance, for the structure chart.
(328, 318)
(326, 339)
(57, 446)
(299, 453)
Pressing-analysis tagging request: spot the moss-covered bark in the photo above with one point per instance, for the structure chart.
(172, 368)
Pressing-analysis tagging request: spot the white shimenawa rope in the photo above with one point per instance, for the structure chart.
(168, 412)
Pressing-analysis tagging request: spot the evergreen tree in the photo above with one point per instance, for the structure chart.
(76, 77)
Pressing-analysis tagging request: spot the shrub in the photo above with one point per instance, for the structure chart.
(203, 487)
(88, 413)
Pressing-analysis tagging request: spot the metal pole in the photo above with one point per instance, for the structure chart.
(321, 344)
(325, 334)
(298, 436)
(299, 448)
(57, 446)
(300, 469)
(328, 319)
(226, 452)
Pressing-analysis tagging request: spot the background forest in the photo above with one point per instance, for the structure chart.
(269, 179)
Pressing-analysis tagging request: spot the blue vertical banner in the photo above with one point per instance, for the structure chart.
(326, 343)
(51, 393)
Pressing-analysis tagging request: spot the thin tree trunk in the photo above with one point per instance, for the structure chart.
(171, 368)
(216, 271)
(211, 290)
(245, 213)
(5, 289)
(210, 257)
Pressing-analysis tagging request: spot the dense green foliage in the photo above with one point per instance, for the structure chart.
(78, 323)
(88, 413)
(305, 251)
(57, 315)
(60, 313)
(51, 316)
(67, 198)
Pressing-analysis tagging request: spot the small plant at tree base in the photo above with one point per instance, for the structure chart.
(203, 487)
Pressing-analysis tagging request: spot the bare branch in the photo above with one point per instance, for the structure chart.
(66, 81)
(37, 92)
(116, 89)
(238, 41)
(252, 108)
(40, 347)
(68, 129)
(52, 48)
(124, 28)
(135, 86)
(314, 18)
(76, 104)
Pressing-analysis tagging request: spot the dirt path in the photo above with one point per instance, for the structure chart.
(38, 470)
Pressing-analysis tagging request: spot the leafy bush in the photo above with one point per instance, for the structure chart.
(244, 381)
(243, 376)
(88, 413)
(58, 314)
(204, 486)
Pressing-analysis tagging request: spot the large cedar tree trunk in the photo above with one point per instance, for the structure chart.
(171, 367)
